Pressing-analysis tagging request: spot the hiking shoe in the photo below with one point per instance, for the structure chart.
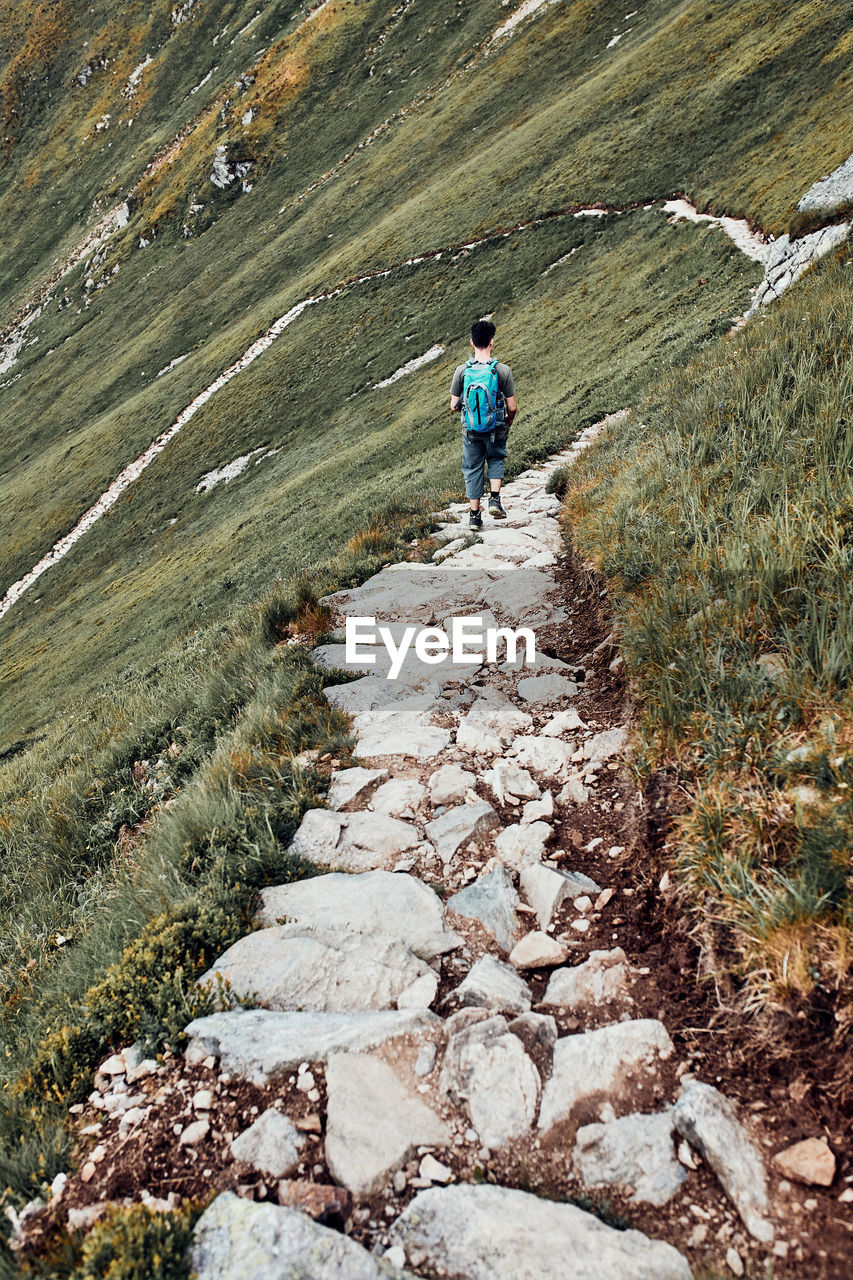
(496, 511)
(475, 520)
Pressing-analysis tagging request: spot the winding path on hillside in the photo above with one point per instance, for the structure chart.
(751, 243)
(457, 1031)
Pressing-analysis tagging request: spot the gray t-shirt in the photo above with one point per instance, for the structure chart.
(506, 386)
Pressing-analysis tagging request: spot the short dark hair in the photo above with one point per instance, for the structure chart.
(482, 332)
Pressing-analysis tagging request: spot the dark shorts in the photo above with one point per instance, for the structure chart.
(483, 451)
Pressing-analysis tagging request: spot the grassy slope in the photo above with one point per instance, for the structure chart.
(725, 523)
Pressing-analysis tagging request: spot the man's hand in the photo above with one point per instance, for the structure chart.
(511, 409)
(455, 402)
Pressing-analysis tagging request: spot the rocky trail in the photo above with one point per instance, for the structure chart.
(474, 1051)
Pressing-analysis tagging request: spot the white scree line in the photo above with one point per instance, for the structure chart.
(738, 230)
(135, 469)
(410, 366)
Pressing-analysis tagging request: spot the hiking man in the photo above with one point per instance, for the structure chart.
(485, 392)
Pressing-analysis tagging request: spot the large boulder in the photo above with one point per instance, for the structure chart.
(487, 1070)
(259, 1044)
(708, 1120)
(373, 1123)
(235, 1239)
(327, 972)
(486, 1232)
(384, 905)
(635, 1151)
(605, 1065)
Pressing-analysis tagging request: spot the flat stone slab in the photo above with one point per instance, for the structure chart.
(635, 1151)
(708, 1120)
(540, 690)
(459, 825)
(360, 841)
(398, 797)
(373, 1124)
(381, 904)
(487, 1070)
(260, 1044)
(603, 1065)
(402, 728)
(492, 900)
(348, 784)
(326, 972)
(487, 1233)
(235, 1239)
(601, 979)
(491, 984)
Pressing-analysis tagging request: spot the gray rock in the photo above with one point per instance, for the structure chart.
(603, 1065)
(326, 972)
(485, 1232)
(259, 1044)
(526, 595)
(382, 904)
(235, 1239)
(634, 1151)
(601, 746)
(492, 900)
(508, 780)
(563, 723)
(708, 1120)
(487, 1070)
(600, 980)
(271, 1145)
(398, 796)
(573, 791)
(548, 688)
(490, 725)
(459, 825)
(358, 841)
(373, 1123)
(522, 844)
(491, 984)
(349, 784)
(403, 728)
(549, 756)
(538, 810)
(449, 784)
(537, 951)
(546, 889)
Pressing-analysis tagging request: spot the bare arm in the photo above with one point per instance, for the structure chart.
(455, 402)
(511, 409)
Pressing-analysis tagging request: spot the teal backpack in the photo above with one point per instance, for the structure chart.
(482, 404)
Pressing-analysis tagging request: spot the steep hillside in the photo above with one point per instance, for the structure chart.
(467, 132)
(244, 249)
